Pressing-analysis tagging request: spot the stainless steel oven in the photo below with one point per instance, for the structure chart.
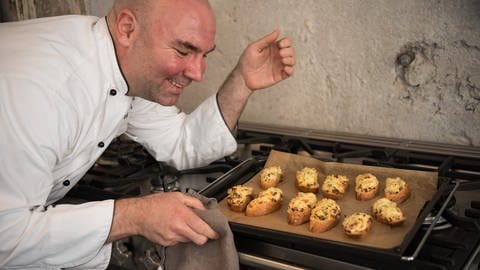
(447, 238)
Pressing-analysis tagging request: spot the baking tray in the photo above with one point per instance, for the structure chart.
(424, 194)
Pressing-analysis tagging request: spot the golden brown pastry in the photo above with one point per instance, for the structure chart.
(357, 225)
(387, 212)
(300, 208)
(324, 216)
(366, 186)
(267, 202)
(396, 189)
(238, 197)
(271, 176)
(335, 186)
(307, 180)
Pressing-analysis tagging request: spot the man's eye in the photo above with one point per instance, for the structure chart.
(182, 53)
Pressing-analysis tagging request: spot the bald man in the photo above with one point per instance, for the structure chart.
(69, 85)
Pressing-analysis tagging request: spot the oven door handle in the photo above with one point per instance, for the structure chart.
(264, 263)
(432, 225)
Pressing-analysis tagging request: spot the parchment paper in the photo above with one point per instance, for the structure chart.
(423, 186)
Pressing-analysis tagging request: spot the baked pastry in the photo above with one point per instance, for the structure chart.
(357, 225)
(366, 186)
(267, 202)
(396, 189)
(335, 186)
(300, 208)
(387, 212)
(324, 216)
(238, 197)
(307, 180)
(271, 176)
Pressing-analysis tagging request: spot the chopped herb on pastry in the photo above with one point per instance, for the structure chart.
(366, 186)
(300, 208)
(238, 197)
(335, 186)
(357, 225)
(267, 202)
(307, 180)
(396, 189)
(271, 177)
(324, 216)
(387, 212)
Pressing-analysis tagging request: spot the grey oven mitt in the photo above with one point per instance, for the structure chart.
(215, 254)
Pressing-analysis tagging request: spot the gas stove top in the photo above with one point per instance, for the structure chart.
(452, 242)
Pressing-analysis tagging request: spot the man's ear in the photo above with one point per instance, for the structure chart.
(127, 27)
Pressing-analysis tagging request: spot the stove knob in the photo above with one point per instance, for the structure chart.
(150, 260)
(121, 255)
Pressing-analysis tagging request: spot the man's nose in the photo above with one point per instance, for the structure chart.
(195, 69)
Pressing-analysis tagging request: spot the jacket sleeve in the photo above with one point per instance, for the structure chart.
(34, 234)
(180, 139)
(56, 237)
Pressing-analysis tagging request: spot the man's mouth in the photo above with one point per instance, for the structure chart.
(175, 83)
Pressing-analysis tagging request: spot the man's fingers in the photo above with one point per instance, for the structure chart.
(199, 231)
(287, 72)
(195, 237)
(286, 51)
(288, 61)
(202, 228)
(192, 229)
(265, 41)
(193, 202)
(287, 54)
(284, 43)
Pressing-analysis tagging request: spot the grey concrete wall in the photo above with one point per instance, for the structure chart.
(98, 8)
(403, 69)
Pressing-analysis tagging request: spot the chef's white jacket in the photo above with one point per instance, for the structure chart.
(62, 101)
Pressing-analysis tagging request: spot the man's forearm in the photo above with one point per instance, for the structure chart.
(232, 98)
(121, 227)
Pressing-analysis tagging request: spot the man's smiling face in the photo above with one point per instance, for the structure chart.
(170, 49)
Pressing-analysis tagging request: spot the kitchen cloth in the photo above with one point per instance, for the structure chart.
(215, 254)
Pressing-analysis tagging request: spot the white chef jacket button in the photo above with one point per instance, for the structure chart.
(113, 92)
(101, 144)
(66, 183)
(125, 116)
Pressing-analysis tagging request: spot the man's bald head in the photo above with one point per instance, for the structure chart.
(147, 11)
(161, 13)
